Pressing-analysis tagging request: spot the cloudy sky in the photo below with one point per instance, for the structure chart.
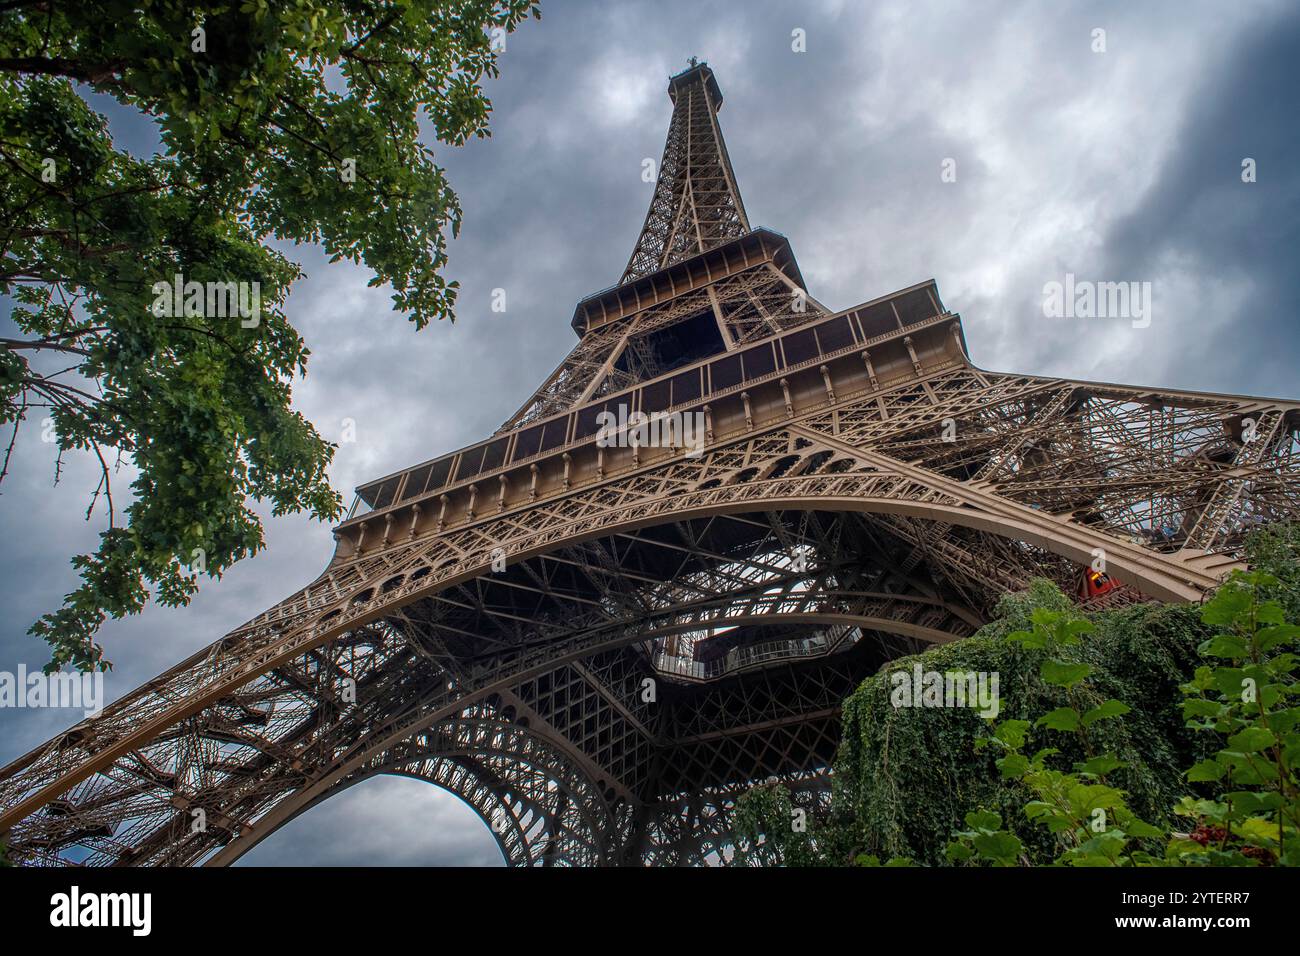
(1116, 165)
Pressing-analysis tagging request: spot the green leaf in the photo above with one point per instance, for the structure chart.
(1041, 755)
(1226, 606)
(1205, 771)
(1012, 733)
(1013, 766)
(1200, 707)
(1178, 849)
(1258, 830)
(1070, 631)
(1087, 797)
(958, 852)
(1225, 646)
(983, 820)
(1228, 681)
(1038, 808)
(1111, 708)
(1063, 718)
(1031, 640)
(1137, 828)
(1245, 803)
(1001, 846)
(1101, 765)
(1251, 740)
(1270, 637)
(1063, 673)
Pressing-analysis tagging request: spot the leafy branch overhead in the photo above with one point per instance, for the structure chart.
(301, 123)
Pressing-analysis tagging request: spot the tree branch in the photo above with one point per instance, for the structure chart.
(100, 74)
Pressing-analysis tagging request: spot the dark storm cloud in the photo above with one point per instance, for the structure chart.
(1201, 216)
(1116, 165)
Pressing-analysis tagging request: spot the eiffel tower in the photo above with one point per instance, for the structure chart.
(598, 641)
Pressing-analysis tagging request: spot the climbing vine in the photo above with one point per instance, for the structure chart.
(1102, 716)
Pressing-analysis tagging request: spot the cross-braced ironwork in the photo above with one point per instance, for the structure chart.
(599, 641)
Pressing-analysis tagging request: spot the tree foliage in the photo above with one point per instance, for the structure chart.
(299, 122)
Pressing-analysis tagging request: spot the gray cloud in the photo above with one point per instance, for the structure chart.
(384, 821)
(1121, 165)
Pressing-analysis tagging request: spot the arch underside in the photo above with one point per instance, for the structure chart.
(753, 588)
(540, 809)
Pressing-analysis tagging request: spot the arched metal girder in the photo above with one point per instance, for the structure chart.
(423, 621)
(781, 721)
(541, 809)
(534, 648)
(645, 611)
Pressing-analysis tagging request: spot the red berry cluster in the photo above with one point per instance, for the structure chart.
(1206, 834)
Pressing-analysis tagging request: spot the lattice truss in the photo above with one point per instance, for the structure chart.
(1159, 470)
(696, 205)
(750, 305)
(525, 691)
(680, 629)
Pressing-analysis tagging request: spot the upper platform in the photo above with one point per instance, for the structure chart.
(700, 75)
(707, 309)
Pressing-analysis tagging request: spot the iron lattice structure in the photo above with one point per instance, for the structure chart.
(600, 648)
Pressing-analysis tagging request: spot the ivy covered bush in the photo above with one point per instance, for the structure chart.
(1109, 745)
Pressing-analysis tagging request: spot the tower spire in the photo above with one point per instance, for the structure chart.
(696, 204)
